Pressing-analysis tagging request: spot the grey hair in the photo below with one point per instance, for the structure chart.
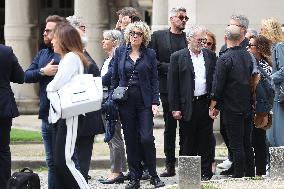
(244, 22)
(233, 33)
(141, 26)
(194, 29)
(114, 35)
(174, 11)
(252, 31)
(75, 21)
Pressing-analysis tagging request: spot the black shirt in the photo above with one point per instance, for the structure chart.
(177, 41)
(231, 83)
(243, 45)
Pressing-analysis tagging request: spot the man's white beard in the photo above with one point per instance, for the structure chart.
(85, 40)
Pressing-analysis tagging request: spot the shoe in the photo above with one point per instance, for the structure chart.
(127, 176)
(116, 180)
(145, 175)
(230, 171)
(205, 177)
(89, 177)
(133, 184)
(169, 172)
(156, 181)
(225, 164)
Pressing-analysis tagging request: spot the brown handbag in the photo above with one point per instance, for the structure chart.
(263, 120)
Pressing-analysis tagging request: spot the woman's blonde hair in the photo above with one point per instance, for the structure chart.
(141, 26)
(69, 40)
(271, 29)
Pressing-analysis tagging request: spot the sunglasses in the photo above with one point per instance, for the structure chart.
(132, 34)
(183, 18)
(47, 31)
(250, 45)
(201, 40)
(209, 43)
(235, 25)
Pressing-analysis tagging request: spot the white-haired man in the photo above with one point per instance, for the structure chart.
(189, 84)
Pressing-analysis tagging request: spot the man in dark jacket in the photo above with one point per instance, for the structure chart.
(189, 84)
(232, 91)
(42, 70)
(10, 71)
(166, 42)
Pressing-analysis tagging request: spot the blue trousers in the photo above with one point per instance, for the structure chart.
(137, 124)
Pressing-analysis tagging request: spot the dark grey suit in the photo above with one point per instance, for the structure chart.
(196, 125)
(10, 71)
(163, 45)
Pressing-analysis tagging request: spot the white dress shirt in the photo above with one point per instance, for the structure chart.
(200, 73)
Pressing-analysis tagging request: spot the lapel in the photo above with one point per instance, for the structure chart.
(121, 65)
(207, 62)
(187, 61)
(168, 41)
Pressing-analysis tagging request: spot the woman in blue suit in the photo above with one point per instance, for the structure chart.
(135, 66)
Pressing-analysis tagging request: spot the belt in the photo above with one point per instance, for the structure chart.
(201, 97)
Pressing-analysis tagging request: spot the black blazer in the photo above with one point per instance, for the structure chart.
(10, 71)
(147, 71)
(91, 124)
(161, 43)
(181, 80)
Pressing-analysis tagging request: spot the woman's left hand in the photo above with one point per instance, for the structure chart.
(155, 110)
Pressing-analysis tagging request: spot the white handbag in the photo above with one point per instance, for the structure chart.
(82, 94)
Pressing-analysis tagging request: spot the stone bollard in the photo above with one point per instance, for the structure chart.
(276, 162)
(189, 169)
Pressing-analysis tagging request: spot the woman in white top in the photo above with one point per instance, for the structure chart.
(67, 42)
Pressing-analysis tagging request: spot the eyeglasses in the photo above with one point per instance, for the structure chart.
(183, 18)
(250, 45)
(201, 40)
(235, 25)
(47, 31)
(209, 43)
(133, 33)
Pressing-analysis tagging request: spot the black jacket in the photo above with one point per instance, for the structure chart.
(161, 43)
(92, 123)
(10, 71)
(181, 80)
(231, 85)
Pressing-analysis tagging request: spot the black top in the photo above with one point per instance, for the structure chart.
(231, 82)
(177, 41)
(243, 45)
(130, 70)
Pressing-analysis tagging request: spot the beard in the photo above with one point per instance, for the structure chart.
(85, 40)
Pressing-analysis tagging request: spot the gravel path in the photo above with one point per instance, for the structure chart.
(217, 182)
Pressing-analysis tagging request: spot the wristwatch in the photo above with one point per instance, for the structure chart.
(41, 72)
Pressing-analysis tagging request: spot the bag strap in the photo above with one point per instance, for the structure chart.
(26, 169)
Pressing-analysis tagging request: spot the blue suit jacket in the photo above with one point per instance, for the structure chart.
(10, 71)
(147, 72)
(32, 75)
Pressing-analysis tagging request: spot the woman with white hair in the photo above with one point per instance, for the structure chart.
(111, 40)
(135, 67)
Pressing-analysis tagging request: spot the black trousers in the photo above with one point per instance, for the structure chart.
(169, 133)
(84, 146)
(239, 129)
(197, 135)
(137, 125)
(5, 153)
(223, 131)
(260, 150)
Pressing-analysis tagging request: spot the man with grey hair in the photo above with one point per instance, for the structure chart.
(231, 92)
(166, 42)
(242, 22)
(189, 85)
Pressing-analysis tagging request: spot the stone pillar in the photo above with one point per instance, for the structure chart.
(159, 15)
(21, 33)
(189, 170)
(95, 15)
(276, 162)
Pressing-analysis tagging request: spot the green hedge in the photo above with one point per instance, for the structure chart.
(18, 135)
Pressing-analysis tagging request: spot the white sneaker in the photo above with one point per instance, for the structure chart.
(225, 164)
